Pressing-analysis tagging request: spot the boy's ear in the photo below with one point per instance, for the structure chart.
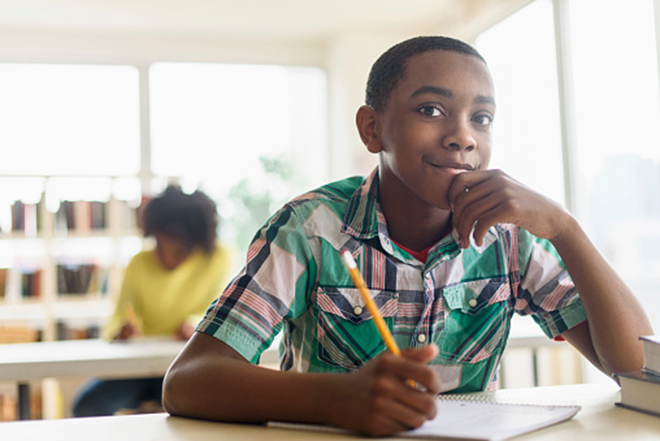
(367, 120)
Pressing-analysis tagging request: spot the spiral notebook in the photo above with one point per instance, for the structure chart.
(466, 417)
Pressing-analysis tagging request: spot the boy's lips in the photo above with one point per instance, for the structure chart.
(453, 167)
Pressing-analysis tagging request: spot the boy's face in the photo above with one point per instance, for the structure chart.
(436, 124)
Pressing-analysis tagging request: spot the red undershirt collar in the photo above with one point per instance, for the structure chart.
(419, 255)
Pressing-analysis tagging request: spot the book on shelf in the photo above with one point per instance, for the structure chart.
(81, 216)
(4, 274)
(19, 334)
(639, 391)
(26, 218)
(651, 351)
(8, 407)
(31, 283)
(98, 212)
(17, 216)
(9, 404)
(81, 279)
(66, 332)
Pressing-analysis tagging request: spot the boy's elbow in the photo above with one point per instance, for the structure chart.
(198, 383)
(173, 393)
(179, 397)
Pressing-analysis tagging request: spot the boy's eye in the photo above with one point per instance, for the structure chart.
(429, 111)
(483, 120)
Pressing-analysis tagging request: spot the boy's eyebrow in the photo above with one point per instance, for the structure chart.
(485, 99)
(481, 99)
(433, 89)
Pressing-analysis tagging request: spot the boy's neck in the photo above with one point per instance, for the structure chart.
(417, 236)
(413, 223)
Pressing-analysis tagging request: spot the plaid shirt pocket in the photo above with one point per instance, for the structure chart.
(476, 322)
(346, 335)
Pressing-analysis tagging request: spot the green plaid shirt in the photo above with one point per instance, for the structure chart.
(462, 300)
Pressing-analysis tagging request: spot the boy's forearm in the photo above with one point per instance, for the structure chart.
(210, 380)
(224, 389)
(615, 317)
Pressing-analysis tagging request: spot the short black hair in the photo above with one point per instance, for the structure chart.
(390, 66)
(190, 218)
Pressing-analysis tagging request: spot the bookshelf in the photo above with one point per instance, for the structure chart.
(64, 242)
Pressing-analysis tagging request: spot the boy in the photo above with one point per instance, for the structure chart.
(446, 297)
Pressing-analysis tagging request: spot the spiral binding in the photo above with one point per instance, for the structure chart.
(492, 399)
(469, 397)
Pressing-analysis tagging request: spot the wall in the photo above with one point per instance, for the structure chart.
(347, 57)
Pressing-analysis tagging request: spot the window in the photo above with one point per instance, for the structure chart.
(617, 110)
(69, 119)
(526, 132)
(252, 136)
(612, 72)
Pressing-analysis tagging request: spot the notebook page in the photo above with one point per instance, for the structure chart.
(489, 421)
(467, 418)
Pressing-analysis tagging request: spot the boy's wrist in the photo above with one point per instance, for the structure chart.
(327, 398)
(569, 231)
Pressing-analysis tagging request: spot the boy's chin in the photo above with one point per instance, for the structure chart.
(438, 202)
(443, 204)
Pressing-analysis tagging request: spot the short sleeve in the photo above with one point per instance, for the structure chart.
(546, 290)
(273, 285)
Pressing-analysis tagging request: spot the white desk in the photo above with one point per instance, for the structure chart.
(26, 362)
(147, 357)
(75, 358)
(598, 420)
(31, 361)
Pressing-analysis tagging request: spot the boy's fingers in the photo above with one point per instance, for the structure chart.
(471, 211)
(412, 413)
(464, 183)
(418, 371)
(396, 416)
(485, 221)
(489, 214)
(421, 355)
(459, 186)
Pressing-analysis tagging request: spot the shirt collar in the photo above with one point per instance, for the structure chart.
(365, 220)
(361, 219)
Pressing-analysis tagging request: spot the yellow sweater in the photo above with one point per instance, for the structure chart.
(163, 300)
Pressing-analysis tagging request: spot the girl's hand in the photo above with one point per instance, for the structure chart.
(378, 400)
(482, 199)
(184, 332)
(127, 331)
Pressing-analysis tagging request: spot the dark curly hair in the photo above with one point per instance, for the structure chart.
(191, 218)
(389, 68)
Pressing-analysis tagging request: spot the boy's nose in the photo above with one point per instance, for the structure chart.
(459, 137)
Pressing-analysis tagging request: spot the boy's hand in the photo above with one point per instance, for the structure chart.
(377, 399)
(482, 199)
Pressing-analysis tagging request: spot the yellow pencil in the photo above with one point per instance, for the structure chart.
(358, 281)
(131, 318)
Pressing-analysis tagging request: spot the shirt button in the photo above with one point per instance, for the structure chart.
(428, 275)
(421, 338)
(472, 302)
(357, 310)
